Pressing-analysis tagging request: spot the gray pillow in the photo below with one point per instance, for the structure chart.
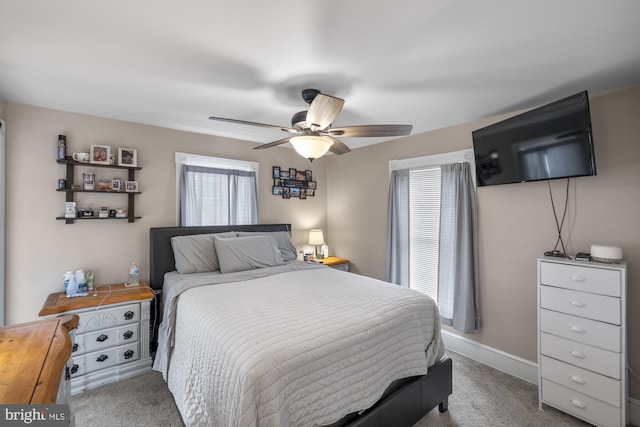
(283, 240)
(196, 253)
(247, 253)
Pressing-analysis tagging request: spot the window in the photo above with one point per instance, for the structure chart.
(215, 191)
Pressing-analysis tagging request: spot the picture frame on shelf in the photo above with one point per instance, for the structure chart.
(128, 157)
(131, 186)
(99, 154)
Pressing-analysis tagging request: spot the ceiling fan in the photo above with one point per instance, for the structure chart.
(311, 132)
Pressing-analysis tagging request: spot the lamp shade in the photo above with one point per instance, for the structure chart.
(310, 146)
(316, 238)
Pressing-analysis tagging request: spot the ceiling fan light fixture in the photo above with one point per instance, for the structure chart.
(311, 146)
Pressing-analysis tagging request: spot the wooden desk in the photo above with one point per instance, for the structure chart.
(33, 358)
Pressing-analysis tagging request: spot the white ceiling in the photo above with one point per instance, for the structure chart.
(428, 63)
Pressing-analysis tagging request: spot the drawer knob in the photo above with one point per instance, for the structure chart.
(128, 315)
(577, 403)
(577, 329)
(576, 353)
(74, 369)
(75, 347)
(128, 335)
(577, 379)
(577, 278)
(577, 303)
(102, 358)
(128, 354)
(102, 338)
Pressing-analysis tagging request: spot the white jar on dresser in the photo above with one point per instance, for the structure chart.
(582, 344)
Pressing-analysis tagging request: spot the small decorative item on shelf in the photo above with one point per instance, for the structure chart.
(121, 213)
(62, 147)
(116, 184)
(127, 157)
(88, 181)
(104, 184)
(104, 212)
(80, 157)
(131, 186)
(76, 187)
(112, 213)
(70, 209)
(100, 154)
(86, 213)
(62, 184)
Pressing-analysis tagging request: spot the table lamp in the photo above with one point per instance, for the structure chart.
(316, 239)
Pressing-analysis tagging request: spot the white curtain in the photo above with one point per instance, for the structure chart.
(458, 254)
(213, 196)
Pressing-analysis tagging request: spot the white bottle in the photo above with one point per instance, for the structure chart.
(70, 287)
(81, 282)
(134, 275)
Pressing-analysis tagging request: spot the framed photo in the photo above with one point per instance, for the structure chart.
(116, 185)
(308, 175)
(276, 172)
(284, 174)
(301, 176)
(277, 190)
(294, 192)
(312, 184)
(127, 157)
(310, 192)
(99, 154)
(292, 173)
(131, 186)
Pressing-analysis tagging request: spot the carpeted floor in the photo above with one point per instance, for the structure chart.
(481, 396)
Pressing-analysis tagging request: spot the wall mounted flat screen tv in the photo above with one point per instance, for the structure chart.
(549, 142)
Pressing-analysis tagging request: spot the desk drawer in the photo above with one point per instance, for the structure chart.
(583, 304)
(93, 341)
(598, 386)
(109, 317)
(593, 359)
(580, 405)
(591, 332)
(586, 279)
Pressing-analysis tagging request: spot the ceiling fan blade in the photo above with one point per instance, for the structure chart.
(338, 147)
(243, 122)
(323, 111)
(273, 144)
(371, 130)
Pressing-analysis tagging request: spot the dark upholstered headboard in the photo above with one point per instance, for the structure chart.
(161, 259)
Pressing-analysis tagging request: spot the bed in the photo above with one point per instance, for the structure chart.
(288, 343)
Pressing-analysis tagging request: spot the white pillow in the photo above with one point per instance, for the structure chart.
(283, 240)
(246, 253)
(196, 253)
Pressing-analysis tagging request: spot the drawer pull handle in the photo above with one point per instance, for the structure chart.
(102, 358)
(128, 335)
(577, 303)
(577, 278)
(577, 403)
(577, 379)
(576, 353)
(128, 354)
(75, 347)
(577, 329)
(74, 369)
(128, 315)
(102, 338)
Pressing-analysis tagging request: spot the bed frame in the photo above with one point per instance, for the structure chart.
(405, 403)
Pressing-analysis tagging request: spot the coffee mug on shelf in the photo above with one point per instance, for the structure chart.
(81, 157)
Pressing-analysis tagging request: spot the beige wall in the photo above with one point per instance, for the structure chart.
(40, 248)
(516, 223)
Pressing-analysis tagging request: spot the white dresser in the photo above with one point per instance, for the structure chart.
(582, 350)
(112, 338)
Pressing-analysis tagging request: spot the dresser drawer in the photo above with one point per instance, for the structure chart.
(587, 279)
(106, 358)
(591, 332)
(583, 304)
(584, 356)
(109, 317)
(106, 338)
(586, 382)
(580, 405)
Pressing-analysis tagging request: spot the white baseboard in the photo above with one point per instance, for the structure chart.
(510, 364)
(497, 359)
